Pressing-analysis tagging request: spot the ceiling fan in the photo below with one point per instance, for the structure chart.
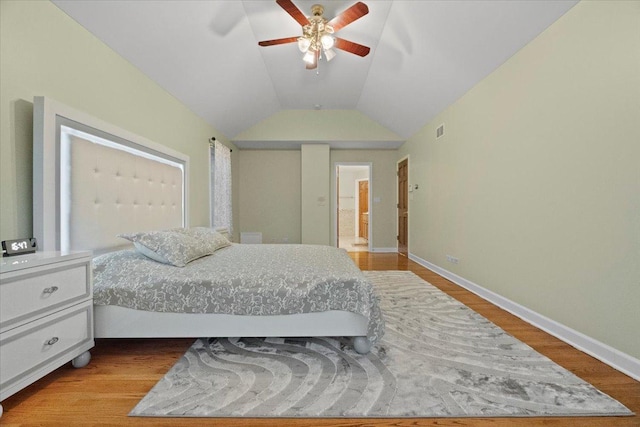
(317, 32)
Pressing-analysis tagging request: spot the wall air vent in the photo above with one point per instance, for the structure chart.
(440, 131)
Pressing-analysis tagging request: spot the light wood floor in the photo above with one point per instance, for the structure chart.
(122, 372)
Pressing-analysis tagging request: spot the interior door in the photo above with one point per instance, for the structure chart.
(403, 207)
(363, 209)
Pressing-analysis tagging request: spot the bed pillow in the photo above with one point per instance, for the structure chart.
(149, 253)
(169, 246)
(207, 236)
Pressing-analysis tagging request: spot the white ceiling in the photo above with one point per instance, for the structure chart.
(424, 54)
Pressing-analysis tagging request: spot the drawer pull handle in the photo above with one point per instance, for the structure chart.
(52, 341)
(50, 290)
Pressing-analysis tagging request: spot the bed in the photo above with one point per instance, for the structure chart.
(94, 182)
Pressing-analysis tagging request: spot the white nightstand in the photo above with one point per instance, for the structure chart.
(46, 316)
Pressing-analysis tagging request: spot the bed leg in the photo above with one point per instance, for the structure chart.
(82, 360)
(361, 345)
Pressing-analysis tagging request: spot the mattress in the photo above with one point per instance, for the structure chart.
(256, 280)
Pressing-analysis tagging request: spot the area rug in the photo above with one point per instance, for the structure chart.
(438, 358)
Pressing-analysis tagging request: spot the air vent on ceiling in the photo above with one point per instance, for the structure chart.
(440, 131)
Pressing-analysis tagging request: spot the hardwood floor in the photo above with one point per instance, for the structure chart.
(122, 372)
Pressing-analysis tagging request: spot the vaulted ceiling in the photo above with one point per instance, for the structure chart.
(424, 54)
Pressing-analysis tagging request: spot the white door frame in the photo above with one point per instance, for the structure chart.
(334, 200)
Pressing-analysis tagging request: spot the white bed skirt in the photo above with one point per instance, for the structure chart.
(120, 322)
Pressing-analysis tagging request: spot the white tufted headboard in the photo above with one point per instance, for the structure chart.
(93, 181)
(111, 191)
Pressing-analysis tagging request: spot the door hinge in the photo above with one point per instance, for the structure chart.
(398, 238)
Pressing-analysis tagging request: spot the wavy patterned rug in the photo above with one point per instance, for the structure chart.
(438, 358)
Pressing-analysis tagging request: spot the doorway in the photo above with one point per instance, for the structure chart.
(403, 207)
(352, 206)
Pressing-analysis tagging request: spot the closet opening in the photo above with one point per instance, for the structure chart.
(353, 209)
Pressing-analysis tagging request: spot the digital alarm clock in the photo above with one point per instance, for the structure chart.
(19, 246)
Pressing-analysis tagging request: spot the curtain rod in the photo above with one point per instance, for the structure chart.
(213, 139)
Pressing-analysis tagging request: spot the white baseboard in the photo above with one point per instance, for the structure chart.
(615, 358)
(384, 250)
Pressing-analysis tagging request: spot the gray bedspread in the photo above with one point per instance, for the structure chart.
(242, 280)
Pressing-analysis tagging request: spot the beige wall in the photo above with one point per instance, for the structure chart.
(318, 125)
(44, 52)
(269, 201)
(270, 196)
(535, 186)
(315, 194)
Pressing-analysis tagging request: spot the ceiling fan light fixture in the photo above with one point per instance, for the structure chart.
(327, 41)
(309, 57)
(303, 44)
(329, 54)
(317, 38)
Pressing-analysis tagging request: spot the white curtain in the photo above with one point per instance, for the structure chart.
(221, 215)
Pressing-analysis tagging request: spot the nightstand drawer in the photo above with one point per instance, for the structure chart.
(44, 344)
(34, 294)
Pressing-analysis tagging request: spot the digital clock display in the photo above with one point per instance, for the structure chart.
(19, 246)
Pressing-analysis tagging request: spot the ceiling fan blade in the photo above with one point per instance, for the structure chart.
(356, 11)
(278, 41)
(293, 10)
(355, 48)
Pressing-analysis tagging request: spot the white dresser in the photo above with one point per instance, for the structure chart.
(46, 316)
